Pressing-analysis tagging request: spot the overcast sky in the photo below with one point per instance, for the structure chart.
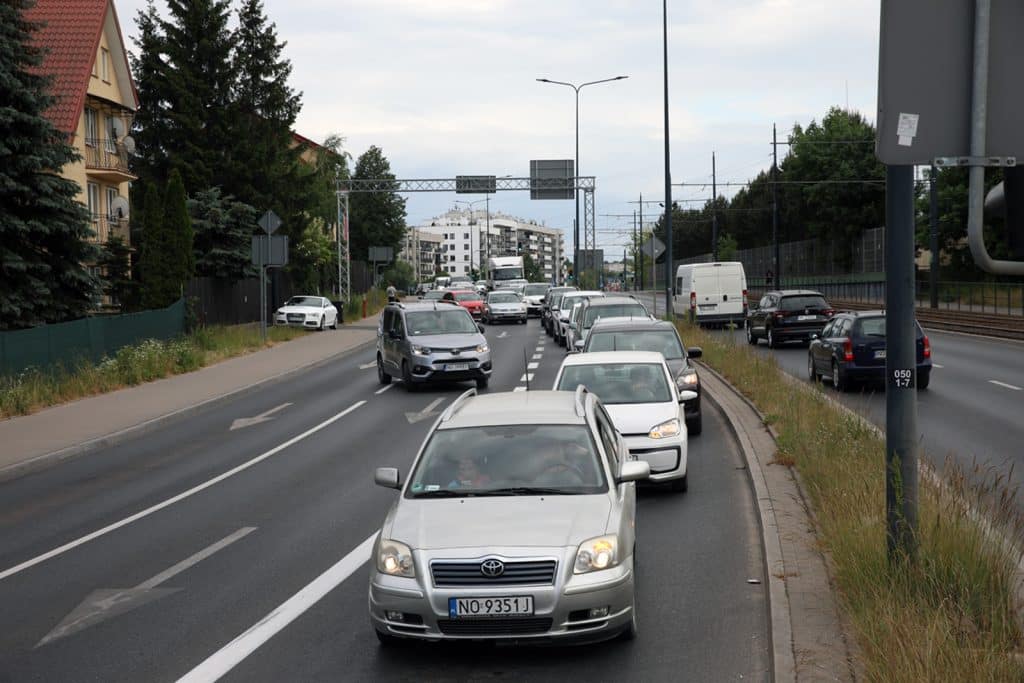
(447, 87)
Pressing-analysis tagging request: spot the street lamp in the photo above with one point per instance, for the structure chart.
(576, 193)
(473, 224)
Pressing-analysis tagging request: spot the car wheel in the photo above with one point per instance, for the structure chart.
(681, 485)
(321, 328)
(838, 380)
(387, 640)
(382, 377)
(481, 382)
(334, 325)
(410, 386)
(771, 339)
(632, 629)
(695, 426)
(922, 379)
(751, 339)
(811, 373)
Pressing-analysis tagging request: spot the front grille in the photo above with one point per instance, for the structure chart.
(534, 572)
(296, 317)
(494, 627)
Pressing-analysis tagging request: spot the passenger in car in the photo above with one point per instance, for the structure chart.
(468, 474)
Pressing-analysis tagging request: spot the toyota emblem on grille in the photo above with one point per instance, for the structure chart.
(455, 352)
(492, 568)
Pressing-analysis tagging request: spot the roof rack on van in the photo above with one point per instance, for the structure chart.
(456, 405)
(580, 398)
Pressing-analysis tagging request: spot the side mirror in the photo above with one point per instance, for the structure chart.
(394, 334)
(420, 296)
(387, 477)
(572, 326)
(694, 352)
(634, 470)
(480, 327)
(687, 395)
(814, 335)
(578, 344)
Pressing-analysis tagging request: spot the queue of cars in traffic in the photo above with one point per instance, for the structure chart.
(516, 521)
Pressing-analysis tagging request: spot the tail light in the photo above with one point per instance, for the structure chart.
(828, 312)
(744, 302)
(927, 347)
(847, 350)
(779, 315)
(693, 301)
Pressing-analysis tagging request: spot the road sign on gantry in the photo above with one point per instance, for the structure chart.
(475, 184)
(552, 179)
(926, 53)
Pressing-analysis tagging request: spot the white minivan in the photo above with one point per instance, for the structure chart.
(711, 293)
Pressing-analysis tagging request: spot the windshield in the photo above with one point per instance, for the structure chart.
(568, 302)
(665, 341)
(613, 311)
(508, 460)
(799, 303)
(875, 327)
(448, 321)
(536, 290)
(434, 294)
(503, 298)
(305, 301)
(460, 278)
(616, 383)
(513, 273)
(467, 296)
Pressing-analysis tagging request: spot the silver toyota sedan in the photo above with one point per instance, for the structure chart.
(516, 524)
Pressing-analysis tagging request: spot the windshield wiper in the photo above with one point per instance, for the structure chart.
(526, 491)
(443, 493)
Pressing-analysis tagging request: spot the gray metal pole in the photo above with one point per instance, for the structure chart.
(263, 301)
(777, 283)
(933, 238)
(337, 197)
(668, 173)
(636, 254)
(900, 366)
(641, 205)
(714, 211)
(576, 196)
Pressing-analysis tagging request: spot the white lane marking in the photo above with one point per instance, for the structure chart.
(429, 411)
(367, 366)
(539, 349)
(527, 377)
(243, 422)
(519, 389)
(936, 365)
(178, 498)
(383, 389)
(503, 335)
(532, 366)
(106, 603)
(1004, 384)
(229, 656)
(537, 356)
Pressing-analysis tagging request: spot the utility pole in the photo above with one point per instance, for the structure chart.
(636, 253)
(933, 237)
(775, 210)
(641, 205)
(714, 211)
(668, 173)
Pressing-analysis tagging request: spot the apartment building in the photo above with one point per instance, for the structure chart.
(422, 250)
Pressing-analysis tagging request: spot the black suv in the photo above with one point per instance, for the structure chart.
(788, 314)
(653, 335)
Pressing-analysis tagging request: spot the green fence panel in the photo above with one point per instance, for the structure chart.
(89, 339)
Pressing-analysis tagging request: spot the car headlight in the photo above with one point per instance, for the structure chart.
(688, 379)
(311, 316)
(421, 350)
(395, 559)
(483, 348)
(665, 429)
(597, 554)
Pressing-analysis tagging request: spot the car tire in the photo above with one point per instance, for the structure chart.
(410, 386)
(751, 339)
(770, 338)
(682, 484)
(334, 325)
(812, 374)
(382, 377)
(482, 382)
(632, 629)
(841, 384)
(922, 379)
(695, 426)
(322, 320)
(387, 640)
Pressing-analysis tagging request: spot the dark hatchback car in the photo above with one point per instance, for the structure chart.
(787, 315)
(653, 335)
(851, 349)
(551, 300)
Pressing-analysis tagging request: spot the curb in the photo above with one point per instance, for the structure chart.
(779, 616)
(46, 460)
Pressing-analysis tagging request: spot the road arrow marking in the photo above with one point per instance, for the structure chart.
(367, 366)
(107, 603)
(502, 335)
(429, 411)
(243, 422)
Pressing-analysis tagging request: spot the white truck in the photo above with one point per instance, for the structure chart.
(505, 271)
(711, 293)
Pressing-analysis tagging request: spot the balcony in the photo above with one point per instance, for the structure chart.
(106, 227)
(107, 160)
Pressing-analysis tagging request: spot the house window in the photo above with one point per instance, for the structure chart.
(104, 61)
(111, 196)
(465, 257)
(465, 235)
(93, 192)
(111, 140)
(92, 127)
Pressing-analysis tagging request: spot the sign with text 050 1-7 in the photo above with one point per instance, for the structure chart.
(902, 378)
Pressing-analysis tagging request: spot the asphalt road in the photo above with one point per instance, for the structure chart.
(149, 559)
(971, 411)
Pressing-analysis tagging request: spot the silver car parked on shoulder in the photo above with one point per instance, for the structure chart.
(516, 524)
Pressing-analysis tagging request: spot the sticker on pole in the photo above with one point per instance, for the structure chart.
(902, 378)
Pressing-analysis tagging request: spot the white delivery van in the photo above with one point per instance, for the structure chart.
(711, 293)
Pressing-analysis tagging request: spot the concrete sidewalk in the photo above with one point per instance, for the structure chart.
(71, 429)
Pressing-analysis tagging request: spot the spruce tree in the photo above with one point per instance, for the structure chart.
(115, 262)
(180, 236)
(152, 120)
(223, 235)
(44, 230)
(378, 218)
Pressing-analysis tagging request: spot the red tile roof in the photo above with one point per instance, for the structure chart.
(69, 32)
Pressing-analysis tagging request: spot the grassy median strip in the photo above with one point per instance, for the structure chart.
(948, 617)
(34, 388)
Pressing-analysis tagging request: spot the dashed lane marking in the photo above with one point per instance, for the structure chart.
(1004, 384)
(383, 389)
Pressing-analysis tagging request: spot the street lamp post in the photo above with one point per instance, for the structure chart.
(576, 193)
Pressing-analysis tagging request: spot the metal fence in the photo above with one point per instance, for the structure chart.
(88, 339)
(970, 297)
(218, 302)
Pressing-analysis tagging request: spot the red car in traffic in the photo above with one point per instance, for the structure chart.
(468, 299)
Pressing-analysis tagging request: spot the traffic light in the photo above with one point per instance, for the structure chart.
(1007, 198)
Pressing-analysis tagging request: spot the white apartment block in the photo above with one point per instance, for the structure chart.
(422, 250)
(467, 243)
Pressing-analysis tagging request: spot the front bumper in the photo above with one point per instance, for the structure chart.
(507, 315)
(667, 457)
(560, 609)
(281, 320)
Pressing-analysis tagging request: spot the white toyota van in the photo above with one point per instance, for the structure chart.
(711, 293)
